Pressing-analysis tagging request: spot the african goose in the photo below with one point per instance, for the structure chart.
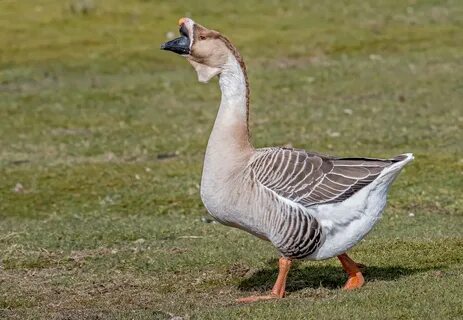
(308, 205)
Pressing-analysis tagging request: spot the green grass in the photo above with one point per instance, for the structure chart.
(102, 138)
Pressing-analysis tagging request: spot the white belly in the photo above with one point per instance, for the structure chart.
(347, 222)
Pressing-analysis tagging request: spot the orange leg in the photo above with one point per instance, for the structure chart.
(355, 280)
(278, 290)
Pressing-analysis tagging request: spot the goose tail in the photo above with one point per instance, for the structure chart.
(398, 163)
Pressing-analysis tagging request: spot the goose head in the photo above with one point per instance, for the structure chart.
(207, 50)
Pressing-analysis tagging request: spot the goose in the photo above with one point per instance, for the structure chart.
(308, 205)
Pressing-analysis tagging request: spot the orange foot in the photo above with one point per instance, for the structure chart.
(257, 298)
(354, 281)
(353, 269)
(278, 290)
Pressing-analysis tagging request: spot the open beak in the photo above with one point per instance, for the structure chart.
(180, 45)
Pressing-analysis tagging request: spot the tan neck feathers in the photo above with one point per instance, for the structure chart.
(240, 60)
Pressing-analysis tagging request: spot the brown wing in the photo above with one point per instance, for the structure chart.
(310, 178)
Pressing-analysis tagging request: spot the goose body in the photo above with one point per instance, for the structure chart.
(308, 205)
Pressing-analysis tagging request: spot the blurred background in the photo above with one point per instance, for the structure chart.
(102, 138)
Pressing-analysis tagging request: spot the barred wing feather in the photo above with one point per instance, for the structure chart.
(310, 179)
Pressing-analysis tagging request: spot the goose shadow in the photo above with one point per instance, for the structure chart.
(329, 277)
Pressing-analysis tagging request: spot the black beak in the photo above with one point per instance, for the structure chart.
(180, 45)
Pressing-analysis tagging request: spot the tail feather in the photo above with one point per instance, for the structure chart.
(407, 157)
(398, 163)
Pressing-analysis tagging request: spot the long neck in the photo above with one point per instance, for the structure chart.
(235, 91)
(229, 149)
(231, 130)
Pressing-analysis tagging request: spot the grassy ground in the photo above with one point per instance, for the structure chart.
(102, 137)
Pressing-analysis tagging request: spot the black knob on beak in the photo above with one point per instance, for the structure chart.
(180, 45)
